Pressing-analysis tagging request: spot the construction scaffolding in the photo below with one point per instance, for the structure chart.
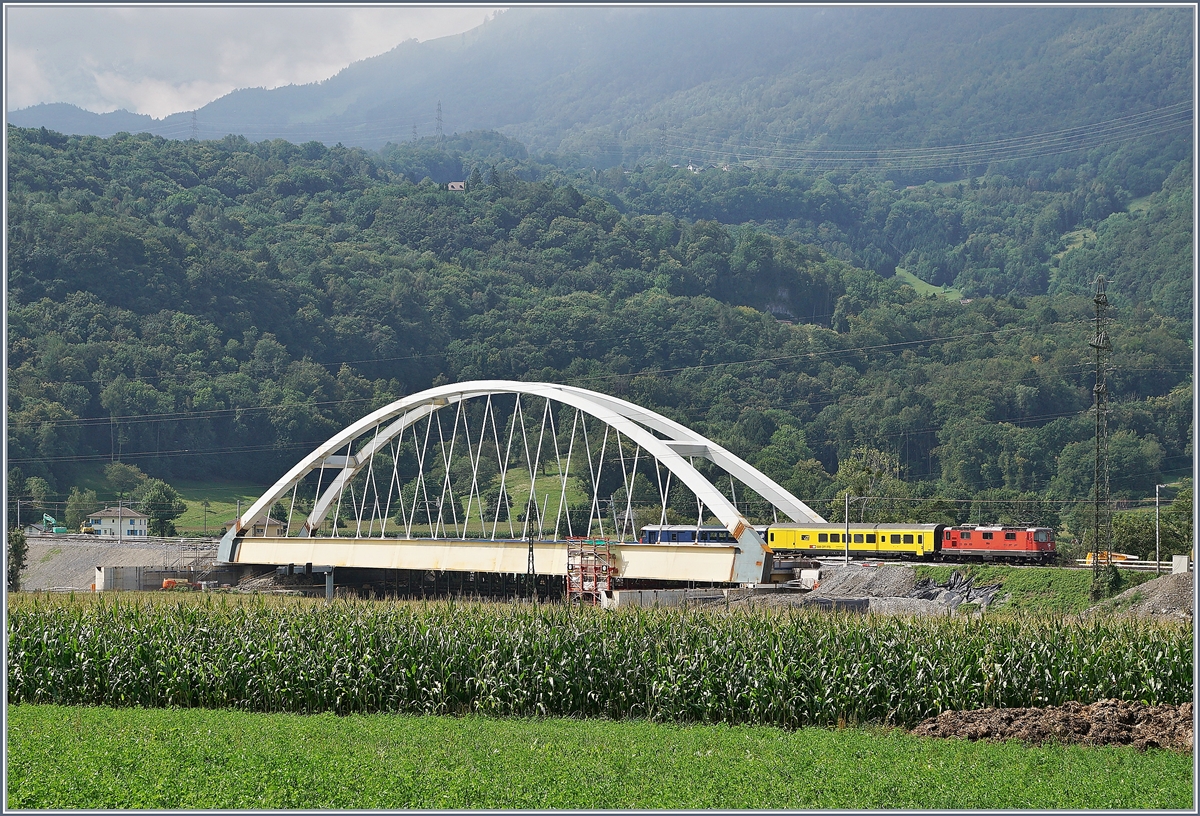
(590, 570)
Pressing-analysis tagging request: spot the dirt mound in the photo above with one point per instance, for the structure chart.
(1108, 722)
(1170, 596)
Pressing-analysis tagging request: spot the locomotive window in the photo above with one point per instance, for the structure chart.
(947, 535)
(772, 536)
(870, 538)
(835, 538)
(1010, 536)
(987, 536)
(823, 537)
(966, 535)
(895, 538)
(1041, 535)
(858, 538)
(908, 538)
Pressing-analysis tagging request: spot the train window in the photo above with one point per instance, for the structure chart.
(908, 538)
(870, 538)
(920, 538)
(895, 538)
(772, 537)
(823, 537)
(987, 536)
(946, 535)
(1041, 535)
(858, 538)
(835, 538)
(965, 535)
(1010, 536)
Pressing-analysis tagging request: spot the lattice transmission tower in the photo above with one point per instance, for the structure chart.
(1101, 509)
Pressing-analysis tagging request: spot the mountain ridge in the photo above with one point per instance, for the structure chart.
(625, 85)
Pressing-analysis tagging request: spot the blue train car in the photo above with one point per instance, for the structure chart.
(690, 534)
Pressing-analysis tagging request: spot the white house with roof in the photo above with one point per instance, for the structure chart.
(274, 527)
(129, 522)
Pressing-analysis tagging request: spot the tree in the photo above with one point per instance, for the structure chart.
(16, 481)
(1134, 463)
(872, 477)
(79, 505)
(1133, 533)
(38, 490)
(162, 503)
(809, 482)
(123, 478)
(17, 549)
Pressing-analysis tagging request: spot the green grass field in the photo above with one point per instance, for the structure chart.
(1139, 205)
(77, 757)
(923, 288)
(222, 499)
(1074, 239)
(1034, 589)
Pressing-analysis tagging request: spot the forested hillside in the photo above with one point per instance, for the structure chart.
(1017, 232)
(218, 308)
(929, 93)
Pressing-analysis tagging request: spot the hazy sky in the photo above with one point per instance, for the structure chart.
(166, 59)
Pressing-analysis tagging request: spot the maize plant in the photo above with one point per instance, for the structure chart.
(789, 669)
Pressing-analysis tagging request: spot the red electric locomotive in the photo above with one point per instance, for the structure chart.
(1026, 545)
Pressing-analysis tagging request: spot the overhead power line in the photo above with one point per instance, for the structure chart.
(173, 416)
(791, 153)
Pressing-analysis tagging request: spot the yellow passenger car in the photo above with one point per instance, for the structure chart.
(866, 540)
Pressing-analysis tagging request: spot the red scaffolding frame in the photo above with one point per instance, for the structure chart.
(590, 570)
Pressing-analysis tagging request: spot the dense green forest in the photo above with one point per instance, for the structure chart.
(996, 234)
(216, 309)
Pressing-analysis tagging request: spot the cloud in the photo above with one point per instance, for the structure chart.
(161, 60)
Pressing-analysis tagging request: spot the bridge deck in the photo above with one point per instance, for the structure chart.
(676, 562)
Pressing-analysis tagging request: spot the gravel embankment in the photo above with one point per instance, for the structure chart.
(69, 562)
(1170, 596)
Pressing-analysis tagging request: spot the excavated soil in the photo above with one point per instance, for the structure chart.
(1108, 722)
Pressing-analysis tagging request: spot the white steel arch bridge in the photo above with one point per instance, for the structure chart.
(475, 476)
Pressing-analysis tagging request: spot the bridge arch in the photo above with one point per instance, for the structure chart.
(672, 446)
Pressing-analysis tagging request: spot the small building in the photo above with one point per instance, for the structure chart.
(36, 529)
(458, 186)
(274, 527)
(122, 522)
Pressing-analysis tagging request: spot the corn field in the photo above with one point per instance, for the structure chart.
(784, 669)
